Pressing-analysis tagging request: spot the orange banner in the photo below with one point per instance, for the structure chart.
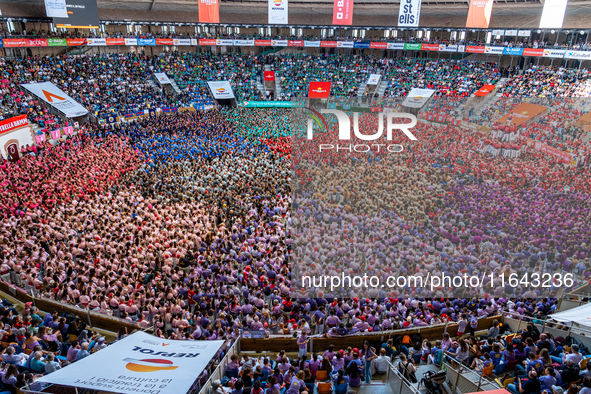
(522, 113)
(209, 11)
(486, 89)
(479, 13)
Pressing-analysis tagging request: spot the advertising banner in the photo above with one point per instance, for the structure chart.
(493, 50)
(221, 89)
(409, 13)
(412, 47)
(262, 43)
(417, 97)
(479, 13)
(194, 41)
(314, 44)
(538, 52)
(162, 78)
(295, 43)
(522, 113)
(13, 123)
(578, 55)
(206, 41)
(269, 75)
(37, 42)
(115, 41)
(475, 49)
(56, 9)
(554, 53)
(563, 157)
(182, 41)
(498, 32)
(378, 45)
(221, 42)
(150, 362)
(345, 44)
(513, 51)
(483, 91)
(553, 14)
(278, 13)
(14, 42)
(271, 104)
(524, 33)
(131, 41)
(511, 33)
(448, 48)
(342, 12)
(146, 41)
(59, 100)
(328, 44)
(278, 43)
(361, 45)
(395, 45)
(461, 48)
(164, 41)
(72, 42)
(319, 90)
(374, 79)
(243, 43)
(209, 11)
(430, 47)
(61, 42)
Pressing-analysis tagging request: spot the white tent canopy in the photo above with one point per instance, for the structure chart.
(580, 315)
(140, 363)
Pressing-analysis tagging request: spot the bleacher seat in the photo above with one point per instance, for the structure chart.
(321, 375)
(324, 387)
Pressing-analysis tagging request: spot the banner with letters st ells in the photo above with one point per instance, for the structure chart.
(479, 13)
(209, 11)
(342, 12)
(409, 13)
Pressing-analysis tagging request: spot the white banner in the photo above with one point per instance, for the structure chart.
(553, 14)
(96, 41)
(278, 43)
(243, 43)
(554, 53)
(345, 44)
(395, 45)
(373, 79)
(278, 12)
(59, 100)
(162, 78)
(448, 48)
(56, 9)
(221, 89)
(314, 44)
(409, 13)
(524, 33)
(131, 41)
(511, 33)
(181, 41)
(153, 365)
(498, 32)
(228, 43)
(417, 97)
(461, 48)
(194, 41)
(578, 55)
(493, 50)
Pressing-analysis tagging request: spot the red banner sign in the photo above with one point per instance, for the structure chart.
(13, 123)
(430, 47)
(164, 41)
(472, 49)
(342, 12)
(295, 43)
(79, 41)
(269, 75)
(328, 44)
(378, 45)
(37, 42)
(563, 157)
(14, 42)
(486, 89)
(209, 11)
(319, 90)
(205, 41)
(262, 43)
(533, 52)
(115, 41)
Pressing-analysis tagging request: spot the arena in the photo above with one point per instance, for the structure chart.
(250, 197)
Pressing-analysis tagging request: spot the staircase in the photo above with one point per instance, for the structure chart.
(277, 87)
(174, 86)
(153, 84)
(381, 89)
(361, 89)
(489, 100)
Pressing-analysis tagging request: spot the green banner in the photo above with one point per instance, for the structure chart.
(57, 42)
(412, 47)
(271, 104)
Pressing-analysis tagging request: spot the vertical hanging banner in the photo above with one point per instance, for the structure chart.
(342, 12)
(278, 12)
(553, 14)
(479, 13)
(209, 11)
(409, 13)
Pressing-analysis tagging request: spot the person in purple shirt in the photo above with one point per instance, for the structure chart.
(303, 344)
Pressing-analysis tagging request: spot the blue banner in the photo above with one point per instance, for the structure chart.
(361, 45)
(513, 51)
(1, 44)
(146, 41)
(111, 119)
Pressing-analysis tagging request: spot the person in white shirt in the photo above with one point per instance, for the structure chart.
(51, 364)
(573, 355)
(16, 359)
(382, 362)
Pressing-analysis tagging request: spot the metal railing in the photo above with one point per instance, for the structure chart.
(217, 370)
(465, 379)
(398, 383)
